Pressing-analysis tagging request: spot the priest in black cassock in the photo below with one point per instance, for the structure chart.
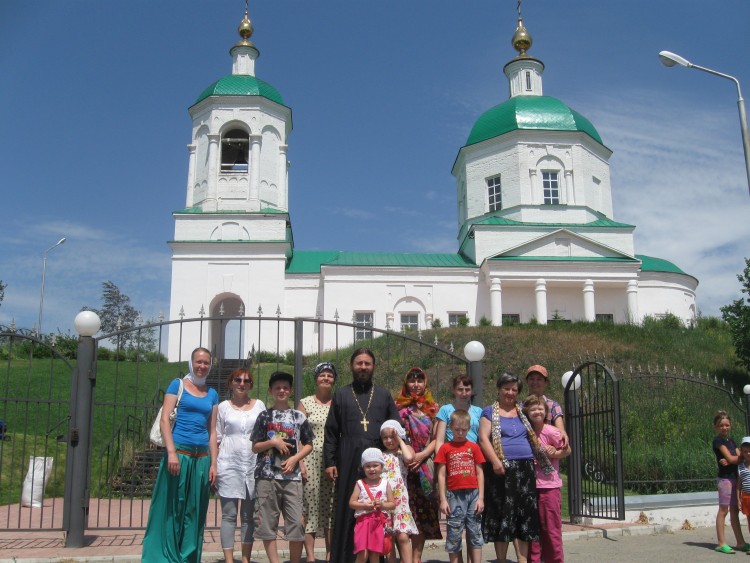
(353, 425)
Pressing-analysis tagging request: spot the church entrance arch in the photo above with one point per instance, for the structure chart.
(226, 327)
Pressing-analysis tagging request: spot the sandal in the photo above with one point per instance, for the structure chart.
(725, 549)
(744, 548)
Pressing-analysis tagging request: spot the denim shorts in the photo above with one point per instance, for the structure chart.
(463, 505)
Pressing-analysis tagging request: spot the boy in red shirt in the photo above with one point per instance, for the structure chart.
(462, 491)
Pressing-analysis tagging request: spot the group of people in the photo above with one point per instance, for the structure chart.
(370, 473)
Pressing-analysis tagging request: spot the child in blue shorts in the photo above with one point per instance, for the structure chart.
(461, 485)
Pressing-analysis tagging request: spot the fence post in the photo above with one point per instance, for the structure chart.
(573, 428)
(76, 499)
(746, 391)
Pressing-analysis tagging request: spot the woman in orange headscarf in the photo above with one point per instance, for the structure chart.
(417, 410)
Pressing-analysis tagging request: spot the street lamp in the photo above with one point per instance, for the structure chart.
(41, 296)
(670, 59)
(474, 352)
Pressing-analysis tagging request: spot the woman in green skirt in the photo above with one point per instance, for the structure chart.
(177, 516)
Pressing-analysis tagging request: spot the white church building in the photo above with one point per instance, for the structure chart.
(537, 238)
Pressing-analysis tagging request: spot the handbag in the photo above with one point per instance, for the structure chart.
(384, 519)
(156, 438)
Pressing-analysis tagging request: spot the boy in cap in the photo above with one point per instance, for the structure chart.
(743, 479)
(282, 437)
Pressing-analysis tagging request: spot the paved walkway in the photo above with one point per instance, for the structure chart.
(123, 546)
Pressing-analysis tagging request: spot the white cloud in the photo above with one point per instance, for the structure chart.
(678, 174)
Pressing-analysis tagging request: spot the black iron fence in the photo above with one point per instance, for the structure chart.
(127, 383)
(667, 424)
(665, 420)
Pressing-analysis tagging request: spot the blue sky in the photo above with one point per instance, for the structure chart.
(95, 96)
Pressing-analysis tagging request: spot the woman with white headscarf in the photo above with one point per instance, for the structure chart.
(177, 515)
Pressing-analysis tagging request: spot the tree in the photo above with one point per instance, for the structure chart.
(118, 314)
(737, 316)
(2, 291)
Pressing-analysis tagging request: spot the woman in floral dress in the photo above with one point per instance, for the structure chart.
(319, 494)
(417, 410)
(397, 454)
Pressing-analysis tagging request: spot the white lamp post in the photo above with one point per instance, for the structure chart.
(576, 382)
(41, 296)
(474, 352)
(78, 457)
(671, 59)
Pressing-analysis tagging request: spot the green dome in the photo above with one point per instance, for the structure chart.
(529, 112)
(241, 85)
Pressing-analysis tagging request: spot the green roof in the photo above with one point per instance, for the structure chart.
(530, 113)
(310, 261)
(241, 85)
(651, 264)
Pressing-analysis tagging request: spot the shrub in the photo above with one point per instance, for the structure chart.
(484, 321)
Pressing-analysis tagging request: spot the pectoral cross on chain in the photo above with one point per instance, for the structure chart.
(364, 423)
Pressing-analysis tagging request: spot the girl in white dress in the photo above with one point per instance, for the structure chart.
(236, 463)
(397, 455)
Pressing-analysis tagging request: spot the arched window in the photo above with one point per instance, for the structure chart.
(235, 151)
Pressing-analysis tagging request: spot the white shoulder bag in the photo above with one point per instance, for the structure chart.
(156, 438)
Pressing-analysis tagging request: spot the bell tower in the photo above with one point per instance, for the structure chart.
(233, 238)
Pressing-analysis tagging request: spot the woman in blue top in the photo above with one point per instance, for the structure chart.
(177, 515)
(510, 446)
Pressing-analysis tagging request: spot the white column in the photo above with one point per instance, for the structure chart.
(632, 292)
(541, 301)
(254, 194)
(589, 312)
(496, 302)
(570, 198)
(533, 187)
(212, 203)
(282, 180)
(189, 199)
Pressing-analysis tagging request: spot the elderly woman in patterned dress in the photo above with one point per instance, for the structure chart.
(319, 489)
(510, 446)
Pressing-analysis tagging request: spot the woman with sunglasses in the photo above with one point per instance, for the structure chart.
(319, 489)
(236, 462)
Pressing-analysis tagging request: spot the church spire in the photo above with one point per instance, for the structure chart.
(524, 72)
(521, 38)
(244, 51)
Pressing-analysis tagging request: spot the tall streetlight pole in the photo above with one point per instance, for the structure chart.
(41, 296)
(670, 59)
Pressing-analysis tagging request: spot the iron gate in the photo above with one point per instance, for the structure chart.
(592, 410)
(34, 411)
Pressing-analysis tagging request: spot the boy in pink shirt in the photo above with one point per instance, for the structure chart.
(549, 548)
